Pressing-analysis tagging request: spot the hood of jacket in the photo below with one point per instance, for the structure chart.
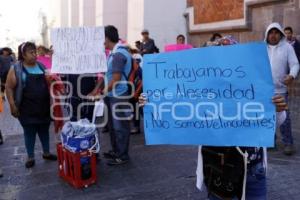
(276, 26)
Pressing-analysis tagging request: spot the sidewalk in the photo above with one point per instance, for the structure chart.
(155, 172)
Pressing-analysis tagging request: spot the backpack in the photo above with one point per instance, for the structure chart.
(135, 85)
(135, 79)
(224, 171)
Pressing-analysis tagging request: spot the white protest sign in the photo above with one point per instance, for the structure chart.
(78, 50)
(98, 109)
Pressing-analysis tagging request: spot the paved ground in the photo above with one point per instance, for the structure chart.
(160, 172)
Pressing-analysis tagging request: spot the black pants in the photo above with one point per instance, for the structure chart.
(3, 81)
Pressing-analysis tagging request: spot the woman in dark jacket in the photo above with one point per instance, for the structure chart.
(29, 99)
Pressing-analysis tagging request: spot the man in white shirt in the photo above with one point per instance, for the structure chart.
(285, 68)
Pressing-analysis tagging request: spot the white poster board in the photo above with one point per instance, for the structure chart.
(78, 50)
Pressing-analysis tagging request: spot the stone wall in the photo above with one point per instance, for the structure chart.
(257, 17)
(207, 11)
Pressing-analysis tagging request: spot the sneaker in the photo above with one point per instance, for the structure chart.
(50, 157)
(288, 150)
(30, 163)
(117, 161)
(110, 155)
(1, 138)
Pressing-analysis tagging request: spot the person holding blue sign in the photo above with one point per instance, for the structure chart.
(285, 68)
(228, 172)
(253, 188)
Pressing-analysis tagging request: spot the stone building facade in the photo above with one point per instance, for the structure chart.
(246, 20)
(129, 16)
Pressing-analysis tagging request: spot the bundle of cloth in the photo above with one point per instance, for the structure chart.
(80, 136)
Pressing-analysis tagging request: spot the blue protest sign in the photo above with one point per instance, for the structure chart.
(217, 96)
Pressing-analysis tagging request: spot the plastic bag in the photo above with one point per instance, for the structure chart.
(80, 136)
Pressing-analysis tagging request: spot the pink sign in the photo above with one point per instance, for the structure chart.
(45, 60)
(177, 47)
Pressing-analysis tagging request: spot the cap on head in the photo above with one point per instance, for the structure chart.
(145, 31)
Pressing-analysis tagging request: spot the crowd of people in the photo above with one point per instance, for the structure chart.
(25, 81)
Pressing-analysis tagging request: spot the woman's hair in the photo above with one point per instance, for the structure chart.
(180, 36)
(7, 49)
(214, 36)
(23, 48)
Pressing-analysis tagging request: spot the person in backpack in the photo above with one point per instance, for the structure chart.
(29, 99)
(117, 97)
(136, 80)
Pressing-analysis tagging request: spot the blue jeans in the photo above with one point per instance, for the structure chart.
(119, 128)
(286, 127)
(256, 185)
(30, 131)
